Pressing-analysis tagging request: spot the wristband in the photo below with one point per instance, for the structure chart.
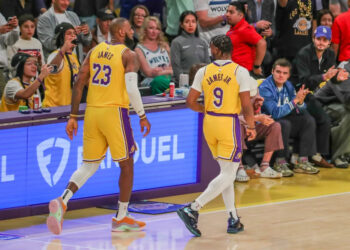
(256, 66)
(73, 115)
(250, 128)
(142, 116)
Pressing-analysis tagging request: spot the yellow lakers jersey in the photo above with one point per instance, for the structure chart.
(58, 90)
(107, 83)
(221, 89)
(6, 106)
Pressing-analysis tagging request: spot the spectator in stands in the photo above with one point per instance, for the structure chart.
(267, 129)
(248, 46)
(155, 7)
(314, 64)
(211, 17)
(341, 36)
(137, 17)
(154, 56)
(261, 14)
(9, 34)
(41, 6)
(19, 91)
(335, 95)
(338, 6)
(101, 32)
(59, 84)
(294, 20)
(27, 43)
(87, 10)
(289, 109)
(17, 8)
(193, 70)
(325, 18)
(174, 10)
(188, 49)
(58, 14)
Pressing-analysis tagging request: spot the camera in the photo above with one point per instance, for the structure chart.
(54, 68)
(75, 42)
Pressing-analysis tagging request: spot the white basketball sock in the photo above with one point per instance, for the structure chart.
(122, 209)
(67, 194)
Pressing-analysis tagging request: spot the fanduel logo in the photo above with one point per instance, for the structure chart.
(45, 160)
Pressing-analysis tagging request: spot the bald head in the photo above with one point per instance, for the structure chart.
(117, 24)
(121, 31)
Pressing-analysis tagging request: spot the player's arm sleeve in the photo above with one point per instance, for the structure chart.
(197, 82)
(134, 93)
(245, 81)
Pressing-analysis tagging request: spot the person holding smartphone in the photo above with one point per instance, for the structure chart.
(9, 34)
(59, 84)
(19, 91)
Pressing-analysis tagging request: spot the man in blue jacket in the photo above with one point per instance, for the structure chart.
(288, 108)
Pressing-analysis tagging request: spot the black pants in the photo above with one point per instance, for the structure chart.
(323, 124)
(302, 128)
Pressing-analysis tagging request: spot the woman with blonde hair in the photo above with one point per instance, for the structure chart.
(154, 55)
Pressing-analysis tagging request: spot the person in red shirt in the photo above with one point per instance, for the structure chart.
(341, 36)
(248, 46)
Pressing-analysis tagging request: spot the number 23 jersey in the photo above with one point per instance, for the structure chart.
(221, 82)
(107, 84)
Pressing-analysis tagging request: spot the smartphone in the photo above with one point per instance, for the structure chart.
(54, 68)
(83, 23)
(75, 41)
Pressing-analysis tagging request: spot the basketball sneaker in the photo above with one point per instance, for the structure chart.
(234, 226)
(128, 223)
(55, 220)
(190, 218)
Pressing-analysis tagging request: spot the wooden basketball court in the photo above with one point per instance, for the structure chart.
(301, 212)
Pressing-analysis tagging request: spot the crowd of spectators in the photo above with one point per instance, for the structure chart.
(296, 51)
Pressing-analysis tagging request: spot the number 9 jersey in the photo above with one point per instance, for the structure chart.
(221, 89)
(107, 84)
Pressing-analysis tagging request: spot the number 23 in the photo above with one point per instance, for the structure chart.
(105, 81)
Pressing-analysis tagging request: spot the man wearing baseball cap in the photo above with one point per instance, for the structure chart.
(101, 31)
(315, 64)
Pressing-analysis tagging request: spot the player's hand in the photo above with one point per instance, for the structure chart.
(72, 127)
(144, 123)
(251, 134)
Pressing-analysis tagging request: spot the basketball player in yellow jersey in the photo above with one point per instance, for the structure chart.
(226, 88)
(110, 71)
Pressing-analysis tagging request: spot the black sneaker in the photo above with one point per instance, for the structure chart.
(190, 218)
(234, 226)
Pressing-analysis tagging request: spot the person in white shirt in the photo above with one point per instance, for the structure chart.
(27, 43)
(57, 14)
(211, 18)
(9, 34)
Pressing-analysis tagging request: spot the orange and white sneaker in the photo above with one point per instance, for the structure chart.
(55, 220)
(127, 224)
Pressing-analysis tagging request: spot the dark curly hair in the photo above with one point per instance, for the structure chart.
(223, 43)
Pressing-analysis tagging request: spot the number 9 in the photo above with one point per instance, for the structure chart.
(218, 94)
